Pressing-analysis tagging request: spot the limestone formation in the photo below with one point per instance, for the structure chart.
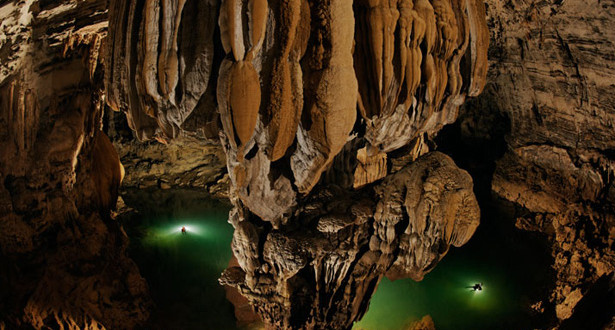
(287, 85)
(320, 271)
(326, 113)
(325, 110)
(184, 162)
(416, 90)
(370, 168)
(330, 93)
(63, 257)
(432, 206)
(292, 78)
(159, 63)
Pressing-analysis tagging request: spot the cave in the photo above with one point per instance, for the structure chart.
(307, 164)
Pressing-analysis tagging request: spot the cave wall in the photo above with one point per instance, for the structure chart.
(63, 256)
(549, 99)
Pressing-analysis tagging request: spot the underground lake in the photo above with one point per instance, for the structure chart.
(512, 265)
(182, 271)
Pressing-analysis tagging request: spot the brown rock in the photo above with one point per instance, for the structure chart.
(159, 83)
(426, 323)
(65, 259)
(339, 244)
(549, 93)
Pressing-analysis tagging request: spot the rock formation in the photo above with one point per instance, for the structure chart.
(159, 61)
(317, 102)
(63, 257)
(184, 162)
(320, 270)
(326, 112)
(550, 97)
(426, 323)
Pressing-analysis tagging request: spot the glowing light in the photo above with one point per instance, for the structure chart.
(189, 229)
(173, 233)
(476, 287)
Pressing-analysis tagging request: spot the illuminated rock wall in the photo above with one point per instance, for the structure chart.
(550, 94)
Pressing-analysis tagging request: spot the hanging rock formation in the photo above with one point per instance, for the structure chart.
(330, 93)
(317, 101)
(159, 63)
(325, 111)
(413, 81)
(287, 86)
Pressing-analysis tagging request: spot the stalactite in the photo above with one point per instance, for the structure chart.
(155, 74)
(319, 193)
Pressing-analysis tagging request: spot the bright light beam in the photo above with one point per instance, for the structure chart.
(190, 229)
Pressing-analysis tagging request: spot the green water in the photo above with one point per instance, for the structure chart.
(512, 265)
(182, 270)
(446, 296)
